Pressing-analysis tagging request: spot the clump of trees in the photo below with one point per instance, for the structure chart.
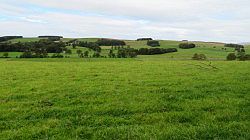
(27, 54)
(154, 51)
(153, 43)
(199, 57)
(144, 39)
(240, 53)
(91, 45)
(50, 46)
(241, 56)
(39, 49)
(110, 42)
(47, 45)
(6, 38)
(187, 45)
(127, 53)
(79, 53)
(236, 46)
(5, 55)
(111, 54)
(16, 47)
(83, 54)
(34, 54)
(73, 43)
(231, 57)
(86, 54)
(96, 55)
(132, 53)
(244, 57)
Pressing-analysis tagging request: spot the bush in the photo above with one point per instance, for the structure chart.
(247, 57)
(244, 57)
(57, 55)
(27, 54)
(86, 54)
(68, 51)
(96, 54)
(231, 57)
(111, 54)
(187, 45)
(153, 43)
(5, 55)
(34, 54)
(40, 53)
(199, 57)
(79, 52)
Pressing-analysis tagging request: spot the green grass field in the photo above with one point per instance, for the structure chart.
(165, 96)
(123, 99)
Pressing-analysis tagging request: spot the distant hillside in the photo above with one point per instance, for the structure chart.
(245, 43)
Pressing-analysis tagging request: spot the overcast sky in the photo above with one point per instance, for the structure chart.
(207, 20)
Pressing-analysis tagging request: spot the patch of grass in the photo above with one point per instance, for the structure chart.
(32, 39)
(123, 99)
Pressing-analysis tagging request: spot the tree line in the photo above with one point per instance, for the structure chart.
(237, 47)
(131, 52)
(6, 38)
(48, 45)
(110, 42)
(144, 39)
(155, 51)
(38, 49)
(128, 52)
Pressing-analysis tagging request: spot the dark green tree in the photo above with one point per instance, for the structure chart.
(68, 52)
(111, 54)
(153, 43)
(79, 52)
(86, 54)
(5, 55)
(199, 57)
(231, 57)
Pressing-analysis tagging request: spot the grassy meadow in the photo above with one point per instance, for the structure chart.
(165, 96)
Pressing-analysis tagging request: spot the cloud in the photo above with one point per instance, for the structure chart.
(209, 20)
(29, 19)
